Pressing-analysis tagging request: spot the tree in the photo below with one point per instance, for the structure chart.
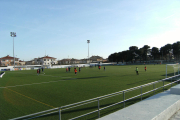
(124, 56)
(133, 48)
(113, 57)
(168, 48)
(165, 51)
(110, 57)
(146, 52)
(155, 53)
(176, 49)
(120, 57)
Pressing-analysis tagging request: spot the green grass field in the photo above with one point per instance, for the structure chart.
(24, 92)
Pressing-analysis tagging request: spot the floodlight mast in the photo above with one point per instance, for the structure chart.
(88, 41)
(13, 34)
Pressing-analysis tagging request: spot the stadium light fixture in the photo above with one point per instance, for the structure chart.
(13, 34)
(88, 41)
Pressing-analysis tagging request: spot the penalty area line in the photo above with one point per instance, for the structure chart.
(30, 98)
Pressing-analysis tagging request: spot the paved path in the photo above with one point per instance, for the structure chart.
(158, 107)
(176, 116)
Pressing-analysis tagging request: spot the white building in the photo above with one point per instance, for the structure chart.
(46, 60)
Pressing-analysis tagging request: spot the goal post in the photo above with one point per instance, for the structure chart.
(175, 68)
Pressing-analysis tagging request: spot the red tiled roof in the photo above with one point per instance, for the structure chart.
(48, 57)
(8, 57)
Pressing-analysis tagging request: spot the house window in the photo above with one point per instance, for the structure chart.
(48, 59)
(44, 59)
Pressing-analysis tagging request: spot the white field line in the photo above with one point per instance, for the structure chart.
(41, 75)
(34, 83)
(2, 75)
(54, 76)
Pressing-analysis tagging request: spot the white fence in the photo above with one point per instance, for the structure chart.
(172, 80)
(30, 67)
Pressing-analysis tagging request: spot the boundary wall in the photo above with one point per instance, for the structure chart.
(34, 67)
(158, 107)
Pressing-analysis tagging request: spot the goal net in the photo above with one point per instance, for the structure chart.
(173, 68)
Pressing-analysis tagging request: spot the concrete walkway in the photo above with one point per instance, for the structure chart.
(176, 116)
(158, 107)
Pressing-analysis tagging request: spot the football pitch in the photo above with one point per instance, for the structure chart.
(25, 92)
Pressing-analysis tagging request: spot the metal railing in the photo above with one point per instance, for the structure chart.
(98, 99)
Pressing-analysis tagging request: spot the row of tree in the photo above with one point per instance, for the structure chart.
(168, 52)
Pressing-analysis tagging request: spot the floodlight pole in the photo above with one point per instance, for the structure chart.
(88, 41)
(13, 34)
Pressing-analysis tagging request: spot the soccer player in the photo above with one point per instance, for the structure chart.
(145, 68)
(37, 71)
(137, 71)
(66, 69)
(75, 71)
(79, 69)
(69, 69)
(99, 67)
(104, 68)
(42, 69)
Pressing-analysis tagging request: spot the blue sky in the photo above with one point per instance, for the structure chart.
(61, 28)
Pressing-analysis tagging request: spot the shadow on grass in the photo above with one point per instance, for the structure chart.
(170, 74)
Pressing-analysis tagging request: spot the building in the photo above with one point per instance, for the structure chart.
(85, 61)
(33, 62)
(96, 59)
(105, 60)
(68, 61)
(74, 61)
(8, 61)
(46, 60)
(22, 62)
(64, 62)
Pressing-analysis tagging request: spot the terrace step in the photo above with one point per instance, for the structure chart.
(175, 90)
(158, 107)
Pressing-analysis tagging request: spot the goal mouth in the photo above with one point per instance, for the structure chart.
(176, 68)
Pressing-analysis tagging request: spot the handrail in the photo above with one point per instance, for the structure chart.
(69, 106)
(117, 103)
